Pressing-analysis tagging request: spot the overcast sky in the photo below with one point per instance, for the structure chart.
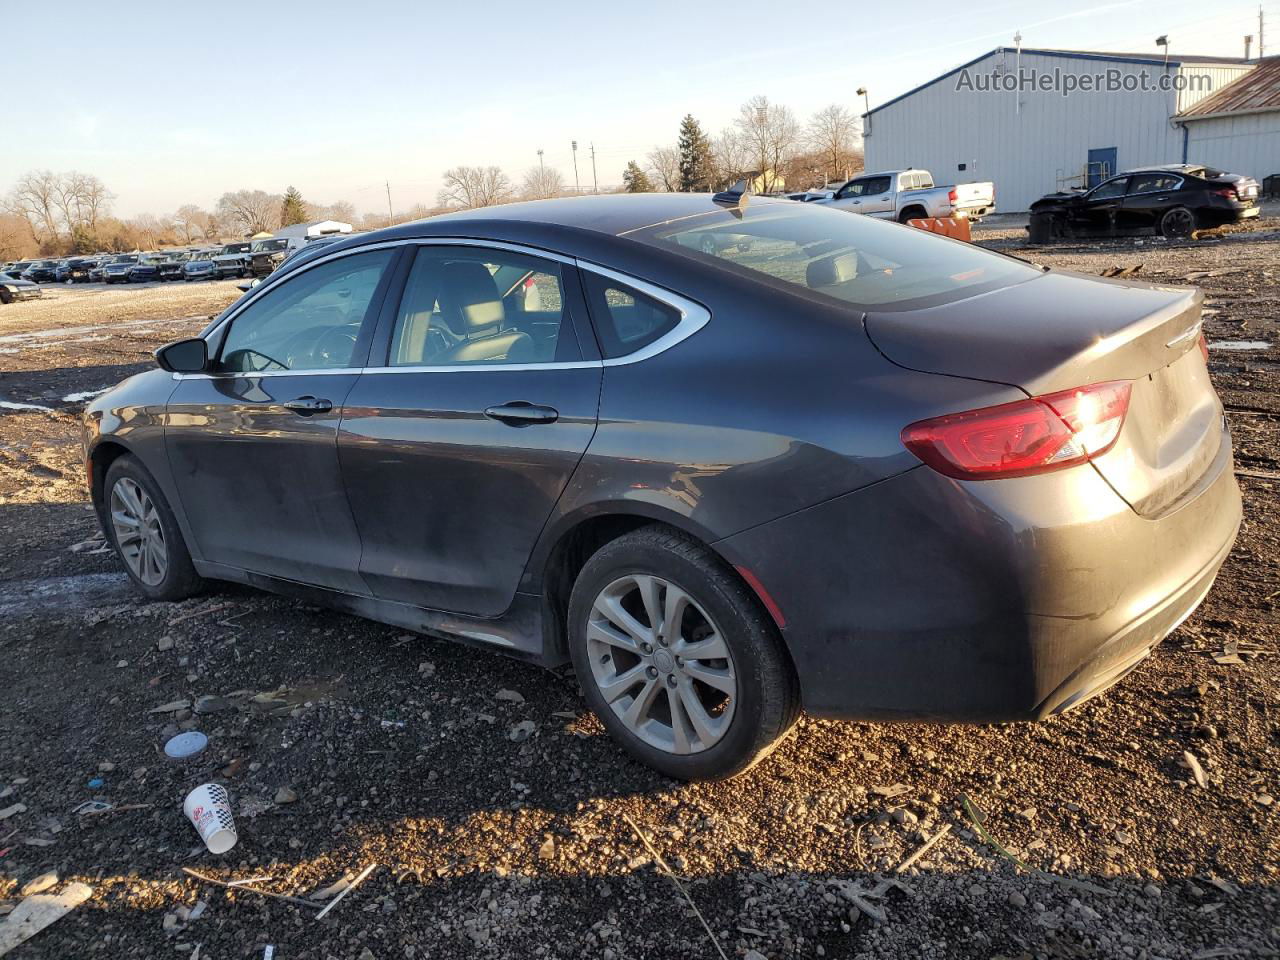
(178, 102)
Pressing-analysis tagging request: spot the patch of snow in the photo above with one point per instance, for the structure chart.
(84, 395)
(1239, 344)
(10, 405)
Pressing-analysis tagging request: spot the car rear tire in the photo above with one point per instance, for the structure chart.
(1177, 224)
(677, 659)
(145, 533)
(912, 213)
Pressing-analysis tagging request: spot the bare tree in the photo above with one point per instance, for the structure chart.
(730, 158)
(770, 133)
(94, 199)
(15, 237)
(664, 162)
(252, 211)
(541, 183)
(468, 187)
(35, 198)
(833, 135)
(342, 211)
(192, 222)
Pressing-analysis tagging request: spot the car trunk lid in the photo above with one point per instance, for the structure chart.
(1061, 331)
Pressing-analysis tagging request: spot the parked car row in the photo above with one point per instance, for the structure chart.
(257, 258)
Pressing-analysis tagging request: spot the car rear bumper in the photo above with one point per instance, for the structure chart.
(924, 598)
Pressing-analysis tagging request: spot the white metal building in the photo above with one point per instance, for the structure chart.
(1238, 128)
(1034, 121)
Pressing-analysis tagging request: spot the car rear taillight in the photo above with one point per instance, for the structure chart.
(952, 196)
(1024, 437)
(1228, 192)
(1203, 344)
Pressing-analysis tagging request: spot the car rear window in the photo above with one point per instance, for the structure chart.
(626, 320)
(852, 258)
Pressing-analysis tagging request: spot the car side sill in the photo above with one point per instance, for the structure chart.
(517, 633)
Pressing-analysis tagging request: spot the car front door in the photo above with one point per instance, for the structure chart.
(1148, 197)
(253, 443)
(456, 448)
(1096, 212)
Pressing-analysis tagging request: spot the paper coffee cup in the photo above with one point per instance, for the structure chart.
(208, 807)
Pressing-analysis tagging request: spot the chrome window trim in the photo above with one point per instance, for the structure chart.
(693, 316)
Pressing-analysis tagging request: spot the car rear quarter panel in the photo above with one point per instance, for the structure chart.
(778, 403)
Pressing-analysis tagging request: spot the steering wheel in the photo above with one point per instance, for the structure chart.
(320, 346)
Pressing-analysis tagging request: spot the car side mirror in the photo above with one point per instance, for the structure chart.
(184, 356)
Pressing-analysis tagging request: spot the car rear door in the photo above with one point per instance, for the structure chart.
(479, 401)
(253, 443)
(1147, 199)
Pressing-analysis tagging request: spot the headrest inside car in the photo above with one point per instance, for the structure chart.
(831, 270)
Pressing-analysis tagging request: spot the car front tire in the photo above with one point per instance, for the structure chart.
(677, 659)
(145, 533)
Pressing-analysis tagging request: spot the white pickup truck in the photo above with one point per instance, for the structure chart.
(904, 195)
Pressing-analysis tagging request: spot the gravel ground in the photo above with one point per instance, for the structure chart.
(503, 822)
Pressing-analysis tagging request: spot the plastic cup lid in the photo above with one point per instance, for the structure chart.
(186, 745)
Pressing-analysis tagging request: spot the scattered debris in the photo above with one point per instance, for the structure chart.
(241, 885)
(8, 812)
(671, 875)
(1230, 654)
(173, 706)
(522, 731)
(924, 848)
(897, 790)
(39, 911)
(1191, 763)
(198, 613)
(286, 795)
(185, 745)
(208, 807)
(512, 696)
(324, 893)
(354, 883)
(1119, 271)
(46, 881)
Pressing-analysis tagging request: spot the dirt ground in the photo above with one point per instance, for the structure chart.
(503, 822)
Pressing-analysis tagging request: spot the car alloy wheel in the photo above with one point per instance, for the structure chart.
(1178, 222)
(661, 664)
(138, 530)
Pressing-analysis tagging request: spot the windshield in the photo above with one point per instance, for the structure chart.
(855, 259)
(236, 248)
(127, 258)
(266, 246)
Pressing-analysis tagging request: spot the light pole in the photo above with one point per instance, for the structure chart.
(576, 188)
(866, 111)
(541, 166)
(1163, 41)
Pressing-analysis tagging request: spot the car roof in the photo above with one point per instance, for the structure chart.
(609, 214)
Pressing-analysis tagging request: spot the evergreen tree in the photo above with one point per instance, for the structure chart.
(293, 209)
(636, 180)
(695, 156)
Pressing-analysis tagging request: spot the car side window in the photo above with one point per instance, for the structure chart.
(1112, 188)
(625, 319)
(310, 321)
(1153, 183)
(473, 305)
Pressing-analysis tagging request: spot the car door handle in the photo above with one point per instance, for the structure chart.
(308, 405)
(521, 413)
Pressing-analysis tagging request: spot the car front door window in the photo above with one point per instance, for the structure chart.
(310, 321)
(1110, 189)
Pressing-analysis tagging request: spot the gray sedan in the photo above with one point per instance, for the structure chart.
(731, 458)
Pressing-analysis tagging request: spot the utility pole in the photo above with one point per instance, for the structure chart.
(595, 184)
(576, 188)
(1261, 50)
(541, 166)
(391, 214)
(1248, 41)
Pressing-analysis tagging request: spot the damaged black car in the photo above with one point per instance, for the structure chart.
(1172, 202)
